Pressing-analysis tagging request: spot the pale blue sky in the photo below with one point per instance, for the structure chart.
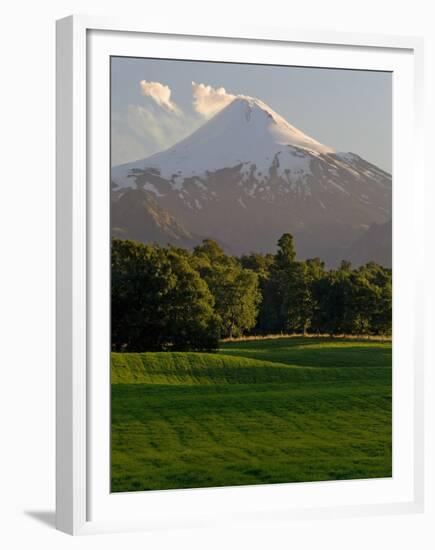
(344, 109)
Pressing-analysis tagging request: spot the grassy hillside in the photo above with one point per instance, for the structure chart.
(262, 411)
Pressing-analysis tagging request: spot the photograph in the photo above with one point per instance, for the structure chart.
(226, 305)
(251, 274)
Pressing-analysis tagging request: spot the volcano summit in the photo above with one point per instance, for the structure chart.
(246, 177)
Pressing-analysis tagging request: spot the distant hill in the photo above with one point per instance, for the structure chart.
(374, 245)
(136, 215)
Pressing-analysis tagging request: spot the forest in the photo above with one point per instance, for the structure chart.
(174, 299)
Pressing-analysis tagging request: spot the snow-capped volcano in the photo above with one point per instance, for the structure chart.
(246, 132)
(247, 176)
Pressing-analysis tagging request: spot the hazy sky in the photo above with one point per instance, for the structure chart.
(153, 103)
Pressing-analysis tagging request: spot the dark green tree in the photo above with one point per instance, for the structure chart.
(353, 301)
(301, 300)
(286, 253)
(288, 296)
(261, 264)
(235, 289)
(159, 301)
(170, 298)
(380, 314)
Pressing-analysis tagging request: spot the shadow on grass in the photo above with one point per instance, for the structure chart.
(313, 354)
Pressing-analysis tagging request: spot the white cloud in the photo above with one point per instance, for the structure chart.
(161, 95)
(148, 126)
(208, 100)
(139, 131)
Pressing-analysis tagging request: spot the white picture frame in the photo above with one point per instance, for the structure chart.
(83, 504)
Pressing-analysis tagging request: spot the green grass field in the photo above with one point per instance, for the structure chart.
(260, 411)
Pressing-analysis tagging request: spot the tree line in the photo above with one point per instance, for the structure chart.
(168, 298)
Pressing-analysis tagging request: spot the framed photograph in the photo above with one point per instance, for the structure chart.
(239, 268)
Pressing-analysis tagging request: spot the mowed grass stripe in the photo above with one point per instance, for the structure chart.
(197, 420)
(205, 368)
(290, 443)
(311, 352)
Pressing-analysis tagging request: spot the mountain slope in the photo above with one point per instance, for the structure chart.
(374, 245)
(247, 176)
(136, 215)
